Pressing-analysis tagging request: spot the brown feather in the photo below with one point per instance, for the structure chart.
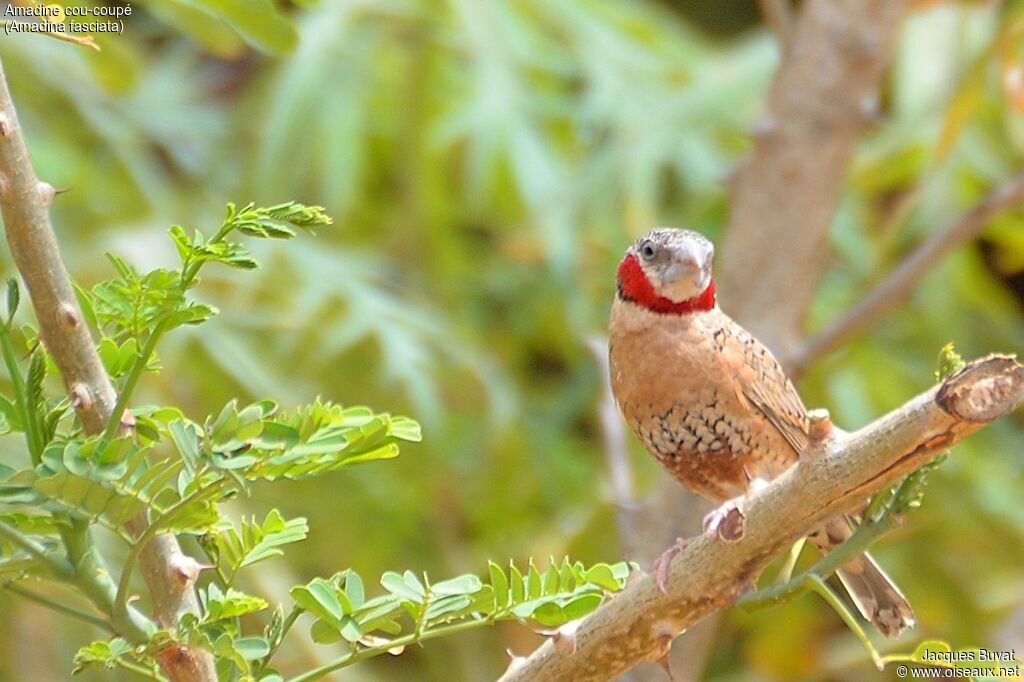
(716, 409)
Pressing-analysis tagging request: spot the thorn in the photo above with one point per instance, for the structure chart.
(635, 573)
(46, 193)
(185, 570)
(870, 108)
(665, 632)
(514, 662)
(68, 315)
(126, 426)
(564, 637)
(5, 126)
(81, 397)
(666, 665)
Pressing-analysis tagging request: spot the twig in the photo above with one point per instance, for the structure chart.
(59, 566)
(897, 286)
(141, 670)
(92, 579)
(780, 593)
(363, 653)
(640, 622)
(620, 473)
(24, 201)
(66, 609)
(83, 41)
(818, 585)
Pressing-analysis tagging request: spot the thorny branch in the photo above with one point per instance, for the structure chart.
(24, 201)
(640, 623)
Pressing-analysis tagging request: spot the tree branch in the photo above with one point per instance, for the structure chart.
(640, 622)
(784, 194)
(897, 286)
(613, 435)
(24, 202)
(58, 566)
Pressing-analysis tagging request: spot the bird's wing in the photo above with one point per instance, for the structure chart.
(765, 385)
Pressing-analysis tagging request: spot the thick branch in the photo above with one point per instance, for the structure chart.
(785, 193)
(24, 201)
(897, 286)
(640, 623)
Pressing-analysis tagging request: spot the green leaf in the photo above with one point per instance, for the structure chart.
(500, 585)
(218, 605)
(354, 589)
(13, 298)
(533, 584)
(323, 632)
(405, 429)
(949, 362)
(257, 21)
(112, 484)
(397, 585)
(256, 542)
(252, 648)
(581, 606)
(319, 598)
(517, 583)
(446, 606)
(101, 654)
(350, 629)
(601, 575)
(186, 439)
(462, 585)
(547, 613)
(313, 440)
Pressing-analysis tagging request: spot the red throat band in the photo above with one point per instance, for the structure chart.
(634, 286)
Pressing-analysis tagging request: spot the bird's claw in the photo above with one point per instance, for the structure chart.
(726, 522)
(664, 562)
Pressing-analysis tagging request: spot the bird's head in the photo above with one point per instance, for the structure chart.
(668, 271)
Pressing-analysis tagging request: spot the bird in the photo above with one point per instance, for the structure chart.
(712, 404)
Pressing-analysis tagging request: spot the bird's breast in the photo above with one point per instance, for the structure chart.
(681, 396)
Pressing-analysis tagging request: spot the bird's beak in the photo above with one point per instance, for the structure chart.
(688, 260)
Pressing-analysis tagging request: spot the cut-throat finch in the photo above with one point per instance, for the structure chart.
(711, 403)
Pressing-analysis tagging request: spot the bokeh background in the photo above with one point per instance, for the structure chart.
(486, 162)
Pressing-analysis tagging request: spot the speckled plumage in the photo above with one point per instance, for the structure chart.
(705, 398)
(710, 402)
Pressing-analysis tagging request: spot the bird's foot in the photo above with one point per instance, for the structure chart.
(661, 565)
(726, 522)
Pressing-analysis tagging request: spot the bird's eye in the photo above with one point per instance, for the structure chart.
(648, 251)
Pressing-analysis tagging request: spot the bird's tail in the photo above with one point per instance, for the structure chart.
(872, 591)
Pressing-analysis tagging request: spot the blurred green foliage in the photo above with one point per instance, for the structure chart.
(486, 163)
